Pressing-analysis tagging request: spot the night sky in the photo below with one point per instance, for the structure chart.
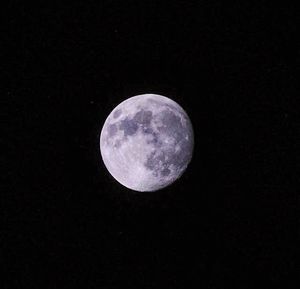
(229, 222)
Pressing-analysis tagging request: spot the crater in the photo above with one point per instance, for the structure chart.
(156, 141)
(165, 172)
(151, 161)
(180, 159)
(147, 130)
(160, 161)
(158, 164)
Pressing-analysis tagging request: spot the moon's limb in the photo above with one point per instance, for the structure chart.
(147, 142)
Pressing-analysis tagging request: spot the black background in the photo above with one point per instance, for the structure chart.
(229, 222)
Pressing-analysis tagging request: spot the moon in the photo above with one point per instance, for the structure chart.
(147, 142)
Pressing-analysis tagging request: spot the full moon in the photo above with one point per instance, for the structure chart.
(147, 142)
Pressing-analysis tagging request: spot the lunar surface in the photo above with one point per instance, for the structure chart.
(147, 142)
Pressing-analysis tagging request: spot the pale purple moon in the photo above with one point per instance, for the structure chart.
(147, 142)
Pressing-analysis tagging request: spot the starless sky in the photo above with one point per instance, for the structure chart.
(229, 222)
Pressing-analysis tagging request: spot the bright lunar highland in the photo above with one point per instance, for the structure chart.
(147, 142)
